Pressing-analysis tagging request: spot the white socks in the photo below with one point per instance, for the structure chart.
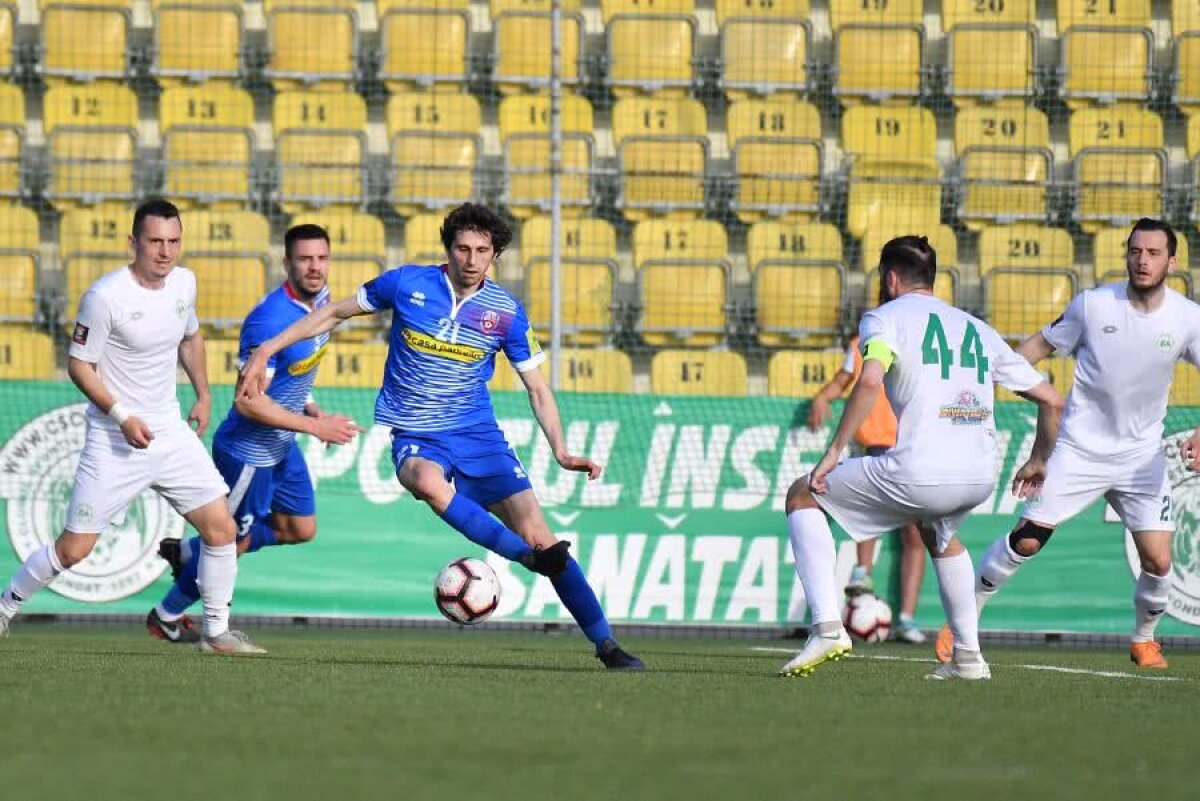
(217, 574)
(997, 566)
(1149, 603)
(956, 583)
(41, 568)
(816, 558)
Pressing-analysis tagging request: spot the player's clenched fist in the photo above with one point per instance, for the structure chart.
(136, 432)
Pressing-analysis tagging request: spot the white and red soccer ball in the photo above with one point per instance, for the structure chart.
(467, 591)
(867, 618)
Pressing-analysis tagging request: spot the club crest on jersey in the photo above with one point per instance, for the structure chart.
(489, 321)
(966, 410)
(181, 308)
(1165, 341)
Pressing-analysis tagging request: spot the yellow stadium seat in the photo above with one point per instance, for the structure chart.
(595, 370)
(423, 240)
(435, 146)
(1186, 85)
(498, 7)
(798, 304)
(424, 48)
(228, 252)
(945, 286)
(893, 167)
(221, 359)
(25, 354)
(208, 143)
(1185, 18)
(12, 136)
(776, 145)
(773, 9)
(8, 25)
(1022, 302)
(19, 249)
(587, 299)
(683, 304)
(84, 42)
(1185, 386)
(1103, 13)
(311, 48)
(609, 9)
(679, 240)
(91, 132)
(1001, 127)
(788, 243)
(525, 138)
(988, 12)
(353, 365)
(761, 56)
(581, 238)
(690, 372)
(898, 222)
(522, 50)
(1025, 247)
(890, 133)
(802, 373)
(1120, 126)
(651, 54)
(662, 148)
(196, 42)
(320, 143)
(1106, 66)
(1119, 165)
(874, 12)
(877, 63)
(772, 117)
(989, 64)
(1109, 248)
(1005, 163)
(92, 241)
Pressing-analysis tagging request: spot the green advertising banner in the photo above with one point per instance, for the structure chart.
(685, 526)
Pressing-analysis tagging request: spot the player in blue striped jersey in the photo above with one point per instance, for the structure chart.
(255, 448)
(448, 323)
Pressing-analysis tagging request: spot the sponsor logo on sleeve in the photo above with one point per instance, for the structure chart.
(80, 335)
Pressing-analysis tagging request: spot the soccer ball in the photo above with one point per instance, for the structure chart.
(867, 618)
(467, 591)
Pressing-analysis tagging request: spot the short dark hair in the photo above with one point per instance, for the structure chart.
(912, 258)
(154, 207)
(301, 232)
(476, 217)
(1151, 224)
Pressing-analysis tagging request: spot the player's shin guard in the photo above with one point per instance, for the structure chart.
(216, 577)
(816, 557)
(41, 568)
(261, 535)
(956, 581)
(997, 566)
(579, 599)
(473, 522)
(1149, 602)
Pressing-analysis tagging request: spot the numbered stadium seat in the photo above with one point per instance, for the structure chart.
(690, 372)
(898, 222)
(12, 139)
(609, 9)
(1109, 247)
(356, 365)
(1022, 302)
(595, 370)
(798, 304)
(989, 63)
(221, 359)
(662, 149)
(229, 253)
(1102, 14)
(521, 50)
(1025, 247)
(877, 63)
(25, 354)
(435, 148)
(320, 143)
(587, 299)
(776, 146)
(893, 153)
(651, 54)
(1185, 386)
(19, 257)
(988, 12)
(679, 240)
(874, 12)
(423, 240)
(195, 41)
(764, 55)
(1005, 164)
(92, 241)
(945, 285)
(423, 47)
(1106, 66)
(84, 42)
(311, 47)
(683, 304)
(1120, 165)
(762, 9)
(358, 253)
(498, 7)
(1185, 90)
(525, 140)
(208, 143)
(91, 143)
(792, 243)
(580, 237)
(802, 373)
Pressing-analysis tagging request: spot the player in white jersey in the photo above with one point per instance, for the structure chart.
(937, 364)
(1110, 444)
(135, 325)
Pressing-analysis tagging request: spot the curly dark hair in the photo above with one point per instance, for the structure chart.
(912, 258)
(476, 217)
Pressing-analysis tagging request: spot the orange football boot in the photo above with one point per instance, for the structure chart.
(1147, 655)
(943, 649)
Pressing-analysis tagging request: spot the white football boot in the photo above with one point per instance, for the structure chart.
(230, 642)
(966, 665)
(3, 626)
(816, 652)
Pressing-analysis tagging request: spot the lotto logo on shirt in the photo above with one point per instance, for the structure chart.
(79, 337)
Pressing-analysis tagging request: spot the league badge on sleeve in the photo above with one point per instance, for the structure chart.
(79, 337)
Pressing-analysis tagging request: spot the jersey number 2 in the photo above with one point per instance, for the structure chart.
(935, 350)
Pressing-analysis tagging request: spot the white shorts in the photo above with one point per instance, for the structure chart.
(867, 502)
(1138, 489)
(112, 474)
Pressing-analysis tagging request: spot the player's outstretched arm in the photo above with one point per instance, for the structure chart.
(862, 400)
(1034, 349)
(332, 429)
(195, 364)
(545, 410)
(1028, 480)
(254, 379)
(87, 378)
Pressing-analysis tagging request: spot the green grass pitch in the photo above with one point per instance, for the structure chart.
(111, 715)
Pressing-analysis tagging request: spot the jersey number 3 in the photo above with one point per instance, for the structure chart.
(935, 350)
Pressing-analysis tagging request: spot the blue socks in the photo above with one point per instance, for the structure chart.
(473, 522)
(185, 592)
(261, 535)
(576, 594)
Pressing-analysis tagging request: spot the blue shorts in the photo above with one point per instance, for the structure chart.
(256, 492)
(478, 461)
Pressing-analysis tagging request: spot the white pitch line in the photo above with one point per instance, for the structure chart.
(1108, 674)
